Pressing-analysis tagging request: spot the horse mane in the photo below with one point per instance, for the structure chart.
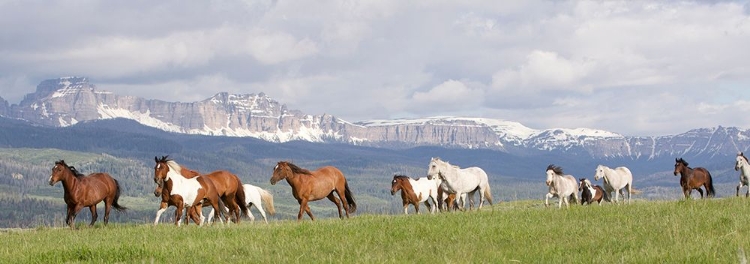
(297, 170)
(556, 169)
(71, 168)
(683, 162)
(400, 176)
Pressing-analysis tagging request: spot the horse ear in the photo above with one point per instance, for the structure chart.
(676, 160)
(156, 159)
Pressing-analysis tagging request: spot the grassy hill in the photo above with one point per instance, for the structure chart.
(697, 231)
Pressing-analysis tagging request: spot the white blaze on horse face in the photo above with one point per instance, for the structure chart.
(740, 163)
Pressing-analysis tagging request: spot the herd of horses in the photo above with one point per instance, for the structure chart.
(446, 187)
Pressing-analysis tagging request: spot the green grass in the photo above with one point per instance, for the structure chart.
(711, 231)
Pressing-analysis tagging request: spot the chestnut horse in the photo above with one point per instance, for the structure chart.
(228, 185)
(86, 191)
(693, 179)
(315, 185)
(415, 191)
(590, 194)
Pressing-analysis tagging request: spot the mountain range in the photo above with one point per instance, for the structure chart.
(67, 101)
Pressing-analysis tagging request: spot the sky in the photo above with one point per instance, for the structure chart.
(638, 68)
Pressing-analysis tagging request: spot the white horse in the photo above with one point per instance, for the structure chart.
(257, 196)
(560, 185)
(744, 168)
(615, 180)
(461, 181)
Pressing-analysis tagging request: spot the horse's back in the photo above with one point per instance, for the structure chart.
(425, 185)
(625, 173)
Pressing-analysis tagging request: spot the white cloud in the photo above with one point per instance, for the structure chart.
(599, 64)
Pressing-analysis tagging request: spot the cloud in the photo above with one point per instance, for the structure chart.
(599, 64)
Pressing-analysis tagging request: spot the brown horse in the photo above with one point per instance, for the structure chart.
(86, 191)
(590, 194)
(415, 191)
(193, 191)
(315, 185)
(693, 179)
(228, 186)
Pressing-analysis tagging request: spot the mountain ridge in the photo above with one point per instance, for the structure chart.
(69, 100)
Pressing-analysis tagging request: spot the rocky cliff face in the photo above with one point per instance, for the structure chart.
(67, 101)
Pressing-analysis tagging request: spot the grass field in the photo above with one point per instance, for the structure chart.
(696, 231)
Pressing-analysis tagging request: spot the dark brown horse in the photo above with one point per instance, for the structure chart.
(693, 179)
(86, 191)
(590, 194)
(228, 186)
(194, 191)
(315, 185)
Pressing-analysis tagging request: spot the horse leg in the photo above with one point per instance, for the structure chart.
(252, 218)
(701, 191)
(93, 215)
(337, 203)
(107, 209)
(546, 199)
(72, 212)
(303, 208)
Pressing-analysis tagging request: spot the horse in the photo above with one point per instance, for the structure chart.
(564, 186)
(259, 197)
(590, 194)
(315, 185)
(167, 199)
(194, 191)
(415, 191)
(86, 191)
(743, 166)
(615, 180)
(460, 181)
(693, 179)
(228, 186)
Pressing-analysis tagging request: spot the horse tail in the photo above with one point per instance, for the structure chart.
(239, 197)
(267, 199)
(349, 198)
(488, 194)
(710, 184)
(117, 197)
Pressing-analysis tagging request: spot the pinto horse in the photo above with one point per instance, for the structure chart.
(228, 185)
(86, 191)
(693, 179)
(167, 199)
(590, 194)
(194, 191)
(415, 191)
(315, 185)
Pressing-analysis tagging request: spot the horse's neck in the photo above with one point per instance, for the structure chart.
(69, 181)
(745, 169)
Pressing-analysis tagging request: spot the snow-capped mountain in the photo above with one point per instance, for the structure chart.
(67, 101)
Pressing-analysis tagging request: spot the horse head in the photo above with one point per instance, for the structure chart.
(396, 184)
(741, 161)
(552, 170)
(160, 174)
(436, 165)
(581, 184)
(58, 172)
(280, 172)
(679, 165)
(599, 173)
